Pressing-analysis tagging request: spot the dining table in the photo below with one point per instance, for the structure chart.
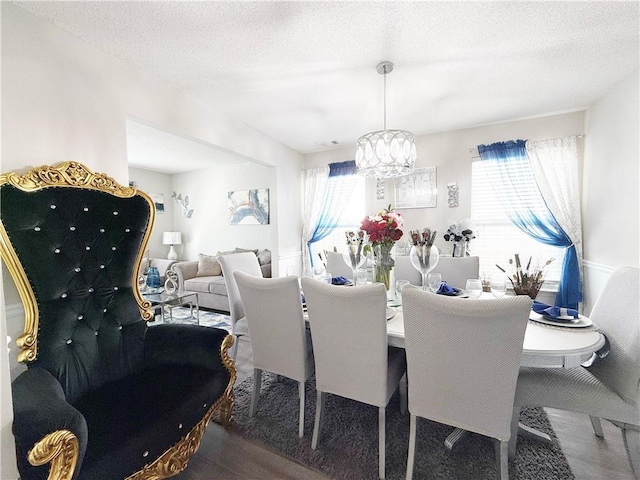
(544, 345)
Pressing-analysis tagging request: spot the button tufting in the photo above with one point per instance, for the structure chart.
(80, 317)
(104, 310)
(37, 229)
(53, 207)
(57, 250)
(127, 230)
(85, 209)
(119, 327)
(113, 248)
(115, 213)
(77, 269)
(204, 406)
(145, 453)
(73, 229)
(102, 266)
(102, 230)
(179, 426)
(115, 288)
(64, 295)
(69, 341)
(91, 290)
(87, 248)
(96, 333)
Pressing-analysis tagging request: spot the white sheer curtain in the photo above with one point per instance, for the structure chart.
(315, 185)
(554, 163)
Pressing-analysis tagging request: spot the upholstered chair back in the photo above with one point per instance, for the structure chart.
(246, 262)
(616, 313)
(336, 266)
(457, 270)
(73, 246)
(349, 333)
(463, 359)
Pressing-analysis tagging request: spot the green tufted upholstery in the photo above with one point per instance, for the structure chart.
(127, 392)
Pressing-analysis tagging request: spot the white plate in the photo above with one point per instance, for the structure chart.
(580, 322)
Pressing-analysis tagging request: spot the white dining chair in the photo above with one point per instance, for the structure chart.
(352, 358)
(404, 270)
(463, 358)
(273, 309)
(336, 265)
(238, 262)
(610, 388)
(457, 270)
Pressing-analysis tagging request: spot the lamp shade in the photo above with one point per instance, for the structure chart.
(172, 238)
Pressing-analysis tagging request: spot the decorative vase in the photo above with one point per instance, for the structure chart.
(459, 249)
(424, 259)
(153, 278)
(354, 258)
(383, 263)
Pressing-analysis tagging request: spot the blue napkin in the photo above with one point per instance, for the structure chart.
(445, 289)
(340, 281)
(553, 311)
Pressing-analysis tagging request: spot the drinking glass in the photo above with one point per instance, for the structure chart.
(498, 287)
(400, 284)
(424, 259)
(434, 280)
(361, 277)
(474, 288)
(354, 258)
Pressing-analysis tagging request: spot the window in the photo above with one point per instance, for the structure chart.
(354, 199)
(497, 238)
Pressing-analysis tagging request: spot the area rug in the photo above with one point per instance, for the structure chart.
(348, 444)
(207, 318)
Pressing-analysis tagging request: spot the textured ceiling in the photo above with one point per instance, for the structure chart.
(304, 73)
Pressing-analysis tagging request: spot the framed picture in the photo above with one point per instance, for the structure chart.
(417, 190)
(158, 199)
(249, 207)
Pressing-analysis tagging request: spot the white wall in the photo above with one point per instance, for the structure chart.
(156, 182)
(449, 152)
(610, 201)
(208, 230)
(63, 99)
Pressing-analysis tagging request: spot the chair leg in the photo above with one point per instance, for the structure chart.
(412, 445)
(301, 416)
(631, 439)
(502, 459)
(381, 441)
(321, 397)
(597, 426)
(515, 421)
(403, 394)
(257, 383)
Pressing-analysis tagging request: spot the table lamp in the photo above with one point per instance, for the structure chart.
(172, 238)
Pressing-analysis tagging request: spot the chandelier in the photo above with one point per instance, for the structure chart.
(386, 153)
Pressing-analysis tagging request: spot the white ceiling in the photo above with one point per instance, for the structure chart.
(304, 72)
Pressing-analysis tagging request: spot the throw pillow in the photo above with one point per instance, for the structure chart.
(241, 250)
(264, 257)
(208, 266)
(227, 252)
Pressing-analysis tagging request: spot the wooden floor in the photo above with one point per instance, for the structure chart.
(224, 455)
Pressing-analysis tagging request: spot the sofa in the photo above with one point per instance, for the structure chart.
(204, 276)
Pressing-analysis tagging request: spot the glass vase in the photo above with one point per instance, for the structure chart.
(383, 263)
(459, 249)
(424, 259)
(354, 258)
(153, 278)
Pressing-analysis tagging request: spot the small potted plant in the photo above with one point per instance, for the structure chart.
(528, 280)
(460, 234)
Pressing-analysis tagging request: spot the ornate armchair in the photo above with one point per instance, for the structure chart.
(105, 396)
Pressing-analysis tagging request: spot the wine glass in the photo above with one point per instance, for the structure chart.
(498, 287)
(400, 284)
(424, 259)
(474, 288)
(434, 280)
(354, 258)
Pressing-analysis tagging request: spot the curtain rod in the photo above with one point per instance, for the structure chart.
(475, 149)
